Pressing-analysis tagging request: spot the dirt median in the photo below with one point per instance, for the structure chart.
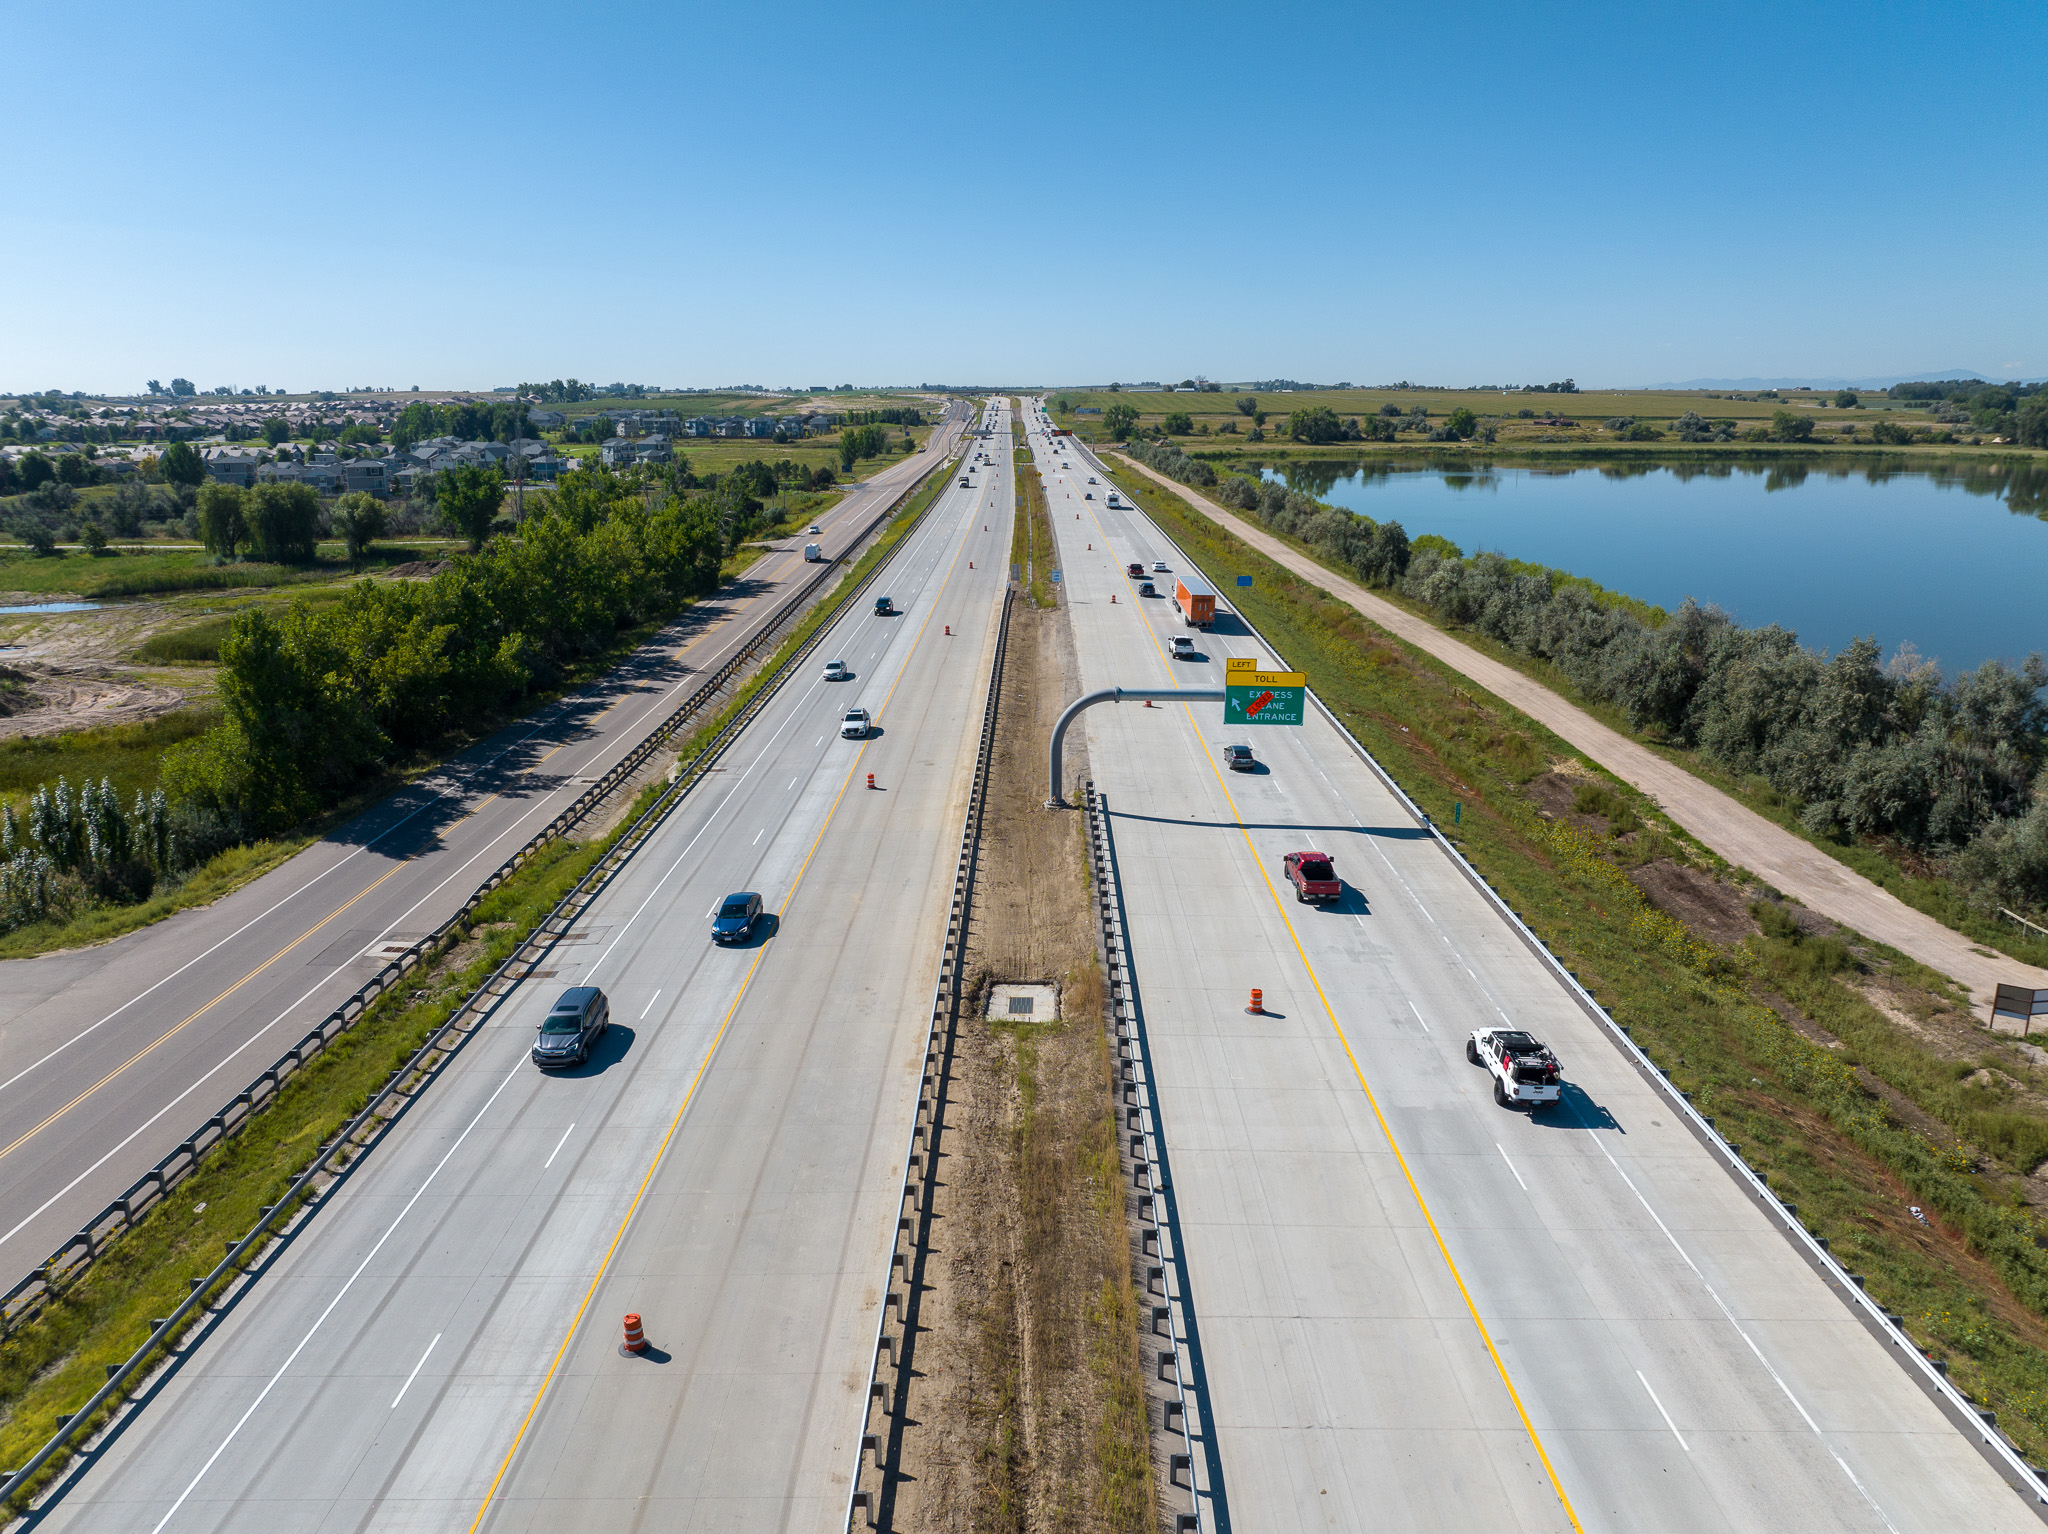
(1025, 1408)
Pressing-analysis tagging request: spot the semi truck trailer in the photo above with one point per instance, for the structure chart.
(1197, 601)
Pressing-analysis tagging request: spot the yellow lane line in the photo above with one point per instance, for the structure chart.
(1443, 1249)
(170, 1033)
(1386, 1129)
(661, 1150)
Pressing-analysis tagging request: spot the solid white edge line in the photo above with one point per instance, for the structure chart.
(402, 1389)
(339, 1295)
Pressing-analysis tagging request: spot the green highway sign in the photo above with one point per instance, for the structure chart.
(1252, 696)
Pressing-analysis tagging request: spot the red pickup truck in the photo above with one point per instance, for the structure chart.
(1134, 571)
(1313, 876)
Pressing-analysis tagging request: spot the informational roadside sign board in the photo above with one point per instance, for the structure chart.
(1252, 696)
(2020, 1005)
(1244, 580)
(1054, 577)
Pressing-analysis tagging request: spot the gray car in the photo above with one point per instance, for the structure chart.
(577, 1020)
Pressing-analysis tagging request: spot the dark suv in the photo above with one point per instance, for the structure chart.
(736, 917)
(884, 608)
(577, 1020)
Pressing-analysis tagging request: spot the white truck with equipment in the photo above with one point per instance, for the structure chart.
(1524, 1070)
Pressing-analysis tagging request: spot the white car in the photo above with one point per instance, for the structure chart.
(814, 527)
(1159, 565)
(1522, 1066)
(835, 671)
(1183, 647)
(855, 725)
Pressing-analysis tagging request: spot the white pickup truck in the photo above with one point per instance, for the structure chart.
(1522, 1066)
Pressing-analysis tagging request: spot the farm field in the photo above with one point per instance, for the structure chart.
(1520, 419)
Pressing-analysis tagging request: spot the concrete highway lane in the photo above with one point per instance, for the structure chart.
(1419, 1310)
(438, 1348)
(110, 1056)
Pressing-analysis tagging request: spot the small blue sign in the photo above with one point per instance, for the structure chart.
(1244, 580)
(1055, 577)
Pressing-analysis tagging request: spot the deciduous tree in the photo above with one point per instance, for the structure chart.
(469, 497)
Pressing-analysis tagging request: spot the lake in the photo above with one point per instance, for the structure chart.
(1951, 561)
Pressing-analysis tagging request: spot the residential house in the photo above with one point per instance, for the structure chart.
(371, 475)
(232, 469)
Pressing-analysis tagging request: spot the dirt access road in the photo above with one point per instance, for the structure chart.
(1737, 833)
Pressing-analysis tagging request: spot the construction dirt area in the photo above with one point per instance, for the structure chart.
(74, 671)
(1026, 1407)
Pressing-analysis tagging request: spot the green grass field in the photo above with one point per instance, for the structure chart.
(1228, 428)
(152, 572)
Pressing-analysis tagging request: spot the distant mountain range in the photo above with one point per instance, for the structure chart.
(1882, 381)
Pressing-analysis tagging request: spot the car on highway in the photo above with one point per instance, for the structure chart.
(835, 671)
(1134, 570)
(1159, 567)
(1522, 1066)
(1091, 479)
(1087, 495)
(1183, 647)
(855, 725)
(1147, 589)
(884, 608)
(737, 914)
(814, 528)
(1313, 875)
(1239, 758)
(576, 1021)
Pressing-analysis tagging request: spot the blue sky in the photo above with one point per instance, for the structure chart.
(471, 195)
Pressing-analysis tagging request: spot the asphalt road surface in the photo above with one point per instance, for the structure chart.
(110, 1056)
(1418, 1310)
(438, 1348)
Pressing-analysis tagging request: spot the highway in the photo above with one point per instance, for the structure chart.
(110, 1056)
(438, 1347)
(1418, 1310)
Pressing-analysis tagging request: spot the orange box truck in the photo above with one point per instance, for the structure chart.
(1197, 601)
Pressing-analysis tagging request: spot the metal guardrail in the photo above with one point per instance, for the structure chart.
(911, 1245)
(68, 1262)
(1144, 1145)
(1966, 1414)
(426, 1063)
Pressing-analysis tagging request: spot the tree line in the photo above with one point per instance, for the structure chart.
(316, 700)
(494, 421)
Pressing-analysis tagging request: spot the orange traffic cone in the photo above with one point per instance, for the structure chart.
(871, 780)
(636, 1340)
(1257, 1008)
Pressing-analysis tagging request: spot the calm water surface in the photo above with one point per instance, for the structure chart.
(1954, 564)
(54, 607)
